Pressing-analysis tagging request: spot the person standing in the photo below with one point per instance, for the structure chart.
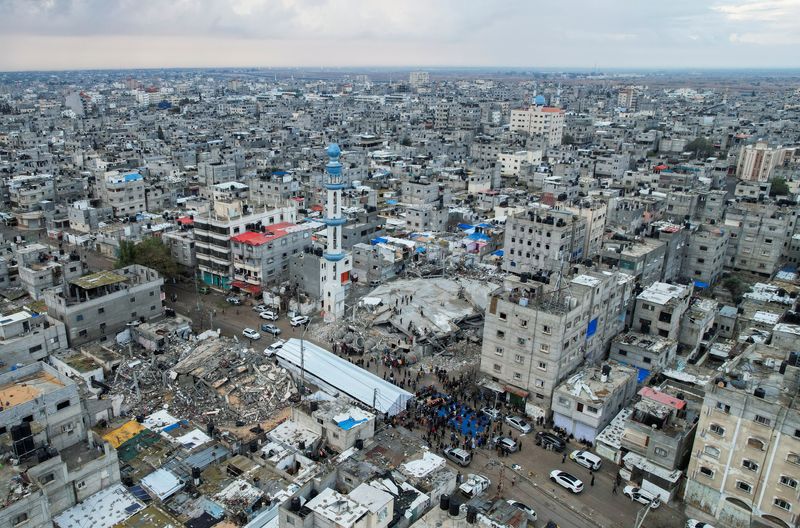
(563, 458)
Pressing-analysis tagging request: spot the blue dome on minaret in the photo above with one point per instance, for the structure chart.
(539, 100)
(333, 151)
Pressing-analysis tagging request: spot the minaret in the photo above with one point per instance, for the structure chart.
(335, 264)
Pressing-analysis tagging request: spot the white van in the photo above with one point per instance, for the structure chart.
(586, 459)
(459, 456)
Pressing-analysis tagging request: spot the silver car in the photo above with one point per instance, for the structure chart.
(519, 423)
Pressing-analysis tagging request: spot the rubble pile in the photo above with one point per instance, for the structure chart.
(216, 380)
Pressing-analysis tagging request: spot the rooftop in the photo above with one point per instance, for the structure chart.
(107, 507)
(98, 279)
(588, 383)
(662, 293)
(28, 388)
(654, 343)
(336, 508)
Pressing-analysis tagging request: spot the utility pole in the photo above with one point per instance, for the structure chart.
(303, 363)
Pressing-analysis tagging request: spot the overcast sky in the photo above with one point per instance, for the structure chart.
(72, 34)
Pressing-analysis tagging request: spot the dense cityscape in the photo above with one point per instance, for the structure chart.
(399, 297)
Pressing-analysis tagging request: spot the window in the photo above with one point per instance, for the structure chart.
(711, 451)
(519, 358)
(62, 405)
(544, 348)
(497, 367)
(539, 383)
(592, 410)
(79, 317)
(723, 407)
(788, 481)
(744, 486)
(763, 420)
(782, 504)
(755, 443)
(660, 451)
(501, 334)
(20, 519)
(133, 299)
(290, 520)
(46, 479)
(749, 464)
(517, 376)
(83, 333)
(523, 323)
(33, 349)
(542, 365)
(502, 316)
(546, 330)
(498, 351)
(101, 310)
(563, 401)
(717, 429)
(707, 472)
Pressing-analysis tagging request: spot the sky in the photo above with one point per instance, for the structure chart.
(88, 34)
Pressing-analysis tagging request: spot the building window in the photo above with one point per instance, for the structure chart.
(788, 481)
(79, 317)
(539, 383)
(755, 443)
(723, 407)
(523, 323)
(707, 472)
(546, 330)
(763, 420)
(744, 486)
(519, 358)
(521, 341)
(502, 316)
(33, 349)
(711, 451)
(501, 334)
(749, 464)
(592, 410)
(83, 333)
(544, 348)
(20, 519)
(782, 504)
(62, 405)
(498, 351)
(542, 365)
(46, 479)
(517, 376)
(717, 429)
(101, 310)
(563, 401)
(497, 367)
(290, 520)
(660, 451)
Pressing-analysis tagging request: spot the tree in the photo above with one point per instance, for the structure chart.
(778, 187)
(737, 287)
(700, 147)
(160, 133)
(151, 253)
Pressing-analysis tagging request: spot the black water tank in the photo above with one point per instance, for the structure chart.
(472, 514)
(210, 429)
(301, 445)
(253, 446)
(782, 370)
(606, 370)
(295, 505)
(444, 502)
(313, 493)
(454, 507)
(759, 393)
(313, 406)
(680, 396)
(359, 443)
(196, 473)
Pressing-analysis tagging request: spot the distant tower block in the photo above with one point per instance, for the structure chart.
(335, 264)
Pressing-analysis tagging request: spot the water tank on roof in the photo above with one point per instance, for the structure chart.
(444, 502)
(759, 393)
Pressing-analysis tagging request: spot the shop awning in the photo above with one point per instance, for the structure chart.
(252, 288)
(515, 391)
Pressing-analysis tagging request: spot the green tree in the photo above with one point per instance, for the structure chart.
(778, 187)
(151, 253)
(700, 147)
(737, 287)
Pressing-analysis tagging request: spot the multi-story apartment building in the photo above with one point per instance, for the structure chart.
(512, 163)
(607, 298)
(25, 339)
(757, 162)
(645, 352)
(86, 218)
(659, 309)
(531, 342)
(213, 172)
(60, 461)
(40, 270)
(123, 193)
(99, 305)
(261, 258)
(641, 259)
(757, 236)
(542, 240)
(704, 258)
(744, 465)
(588, 400)
(213, 233)
(541, 120)
(594, 212)
(181, 246)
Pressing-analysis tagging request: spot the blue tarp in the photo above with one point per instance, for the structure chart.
(499, 253)
(643, 373)
(391, 202)
(465, 226)
(350, 423)
(484, 225)
(592, 328)
(378, 240)
(420, 249)
(479, 236)
(701, 284)
(134, 176)
(466, 421)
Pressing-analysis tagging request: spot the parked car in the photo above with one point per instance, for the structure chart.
(586, 459)
(260, 307)
(642, 496)
(249, 333)
(270, 329)
(474, 485)
(274, 347)
(298, 320)
(519, 423)
(551, 524)
(268, 315)
(527, 509)
(234, 300)
(694, 523)
(489, 412)
(545, 439)
(509, 444)
(564, 479)
(457, 455)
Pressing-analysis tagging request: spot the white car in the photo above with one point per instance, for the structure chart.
(564, 479)
(260, 307)
(269, 315)
(694, 523)
(492, 414)
(249, 333)
(474, 485)
(524, 507)
(519, 423)
(642, 496)
(298, 320)
(586, 459)
(274, 347)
